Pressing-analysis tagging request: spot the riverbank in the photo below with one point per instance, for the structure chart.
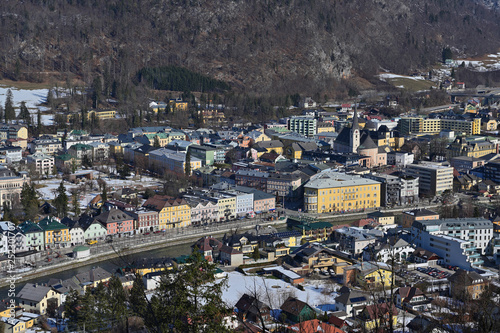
(113, 253)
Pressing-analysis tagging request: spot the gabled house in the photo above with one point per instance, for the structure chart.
(35, 239)
(313, 258)
(251, 309)
(55, 232)
(351, 301)
(92, 229)
(412, 298)
(37, 298)
(297, 311)
(368, 274)
(92, 277)
(75, 231)
(116, 222)
(377, 316)
(467, 284)
(214, 250)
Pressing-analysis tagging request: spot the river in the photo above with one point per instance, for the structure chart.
(110, 265)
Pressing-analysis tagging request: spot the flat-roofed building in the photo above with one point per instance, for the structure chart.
(434, 179)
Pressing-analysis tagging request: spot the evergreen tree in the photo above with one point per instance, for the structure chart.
(39, 122)
(187, 166)
(256, 253)
(75, 203)
(61, 201)
(156, 142)
(9, 107)
(118, 310)
(29, 201)
(24, 113)
(188, 299)
(104, 195)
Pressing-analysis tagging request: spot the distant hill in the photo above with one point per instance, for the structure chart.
(254, 45)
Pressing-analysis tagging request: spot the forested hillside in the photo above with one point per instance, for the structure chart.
(255, 45)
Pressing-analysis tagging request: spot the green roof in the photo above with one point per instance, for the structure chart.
(80, 248)
(64, 157)
(81, 146)
(314, 226)
(50, 223)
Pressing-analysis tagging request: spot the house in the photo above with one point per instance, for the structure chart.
(75, 231)
(173, 212)
(368, 274)
(116, 222)
(214, 250)
(338, 322)
(467, 284)
(382, 218)
(421, 214)
(351, 301)
(251, 309)
(35, 239)
(378, 315)
(422, 324)
(424, 256)
(55, 232)
(92, 229)
(92, 277)
(297, 311)
(314, 258)
(37, 298)
(412, 298)
(397, 249)
(314, 326)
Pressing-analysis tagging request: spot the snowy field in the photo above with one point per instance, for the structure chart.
(274, 292)
(49, 187)
(491, 63)
(385, 76)
(31, 97)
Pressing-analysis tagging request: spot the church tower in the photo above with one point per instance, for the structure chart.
(355, 137)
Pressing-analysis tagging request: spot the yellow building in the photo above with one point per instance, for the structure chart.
(325, 128)
(331, 191)
(470, 147)
(368, 275)
(37, 298)
(419, 125)
(378, 316)
(55, 232)
(178, 105)
(13, 325)
(101, 114)
(173, 212)
(226, 205)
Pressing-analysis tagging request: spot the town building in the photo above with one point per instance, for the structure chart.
(465, 285)
(145, 220)
(165, 159)
(47, 146)
(419, 214)
(464, 164)
(11, 154)
(35, 239)
(470, 147)
(479, 231)
(303, 125)
(173, 212)
(40, 163)
(400, 159)
(11, 186)
(55, 232)
(116, 222)
(37, 298)
(434, 179)
(420, 125)
(331, 191)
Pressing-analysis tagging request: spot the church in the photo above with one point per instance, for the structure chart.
(353, 140)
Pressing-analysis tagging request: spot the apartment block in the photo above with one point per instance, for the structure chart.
(434, 179)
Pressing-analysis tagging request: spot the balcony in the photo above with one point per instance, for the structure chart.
(470, 248)
(475, 255)
(472, 233)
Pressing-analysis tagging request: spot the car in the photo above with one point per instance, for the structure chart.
(145, 234)
(91, 242)
(158, 232)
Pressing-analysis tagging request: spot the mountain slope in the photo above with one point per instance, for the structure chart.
(256, 45)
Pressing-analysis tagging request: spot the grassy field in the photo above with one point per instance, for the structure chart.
(411, 84)
(29, 85)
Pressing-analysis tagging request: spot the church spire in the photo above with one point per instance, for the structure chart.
(355, 124)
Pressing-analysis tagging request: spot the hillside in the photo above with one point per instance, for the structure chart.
(255, 45)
